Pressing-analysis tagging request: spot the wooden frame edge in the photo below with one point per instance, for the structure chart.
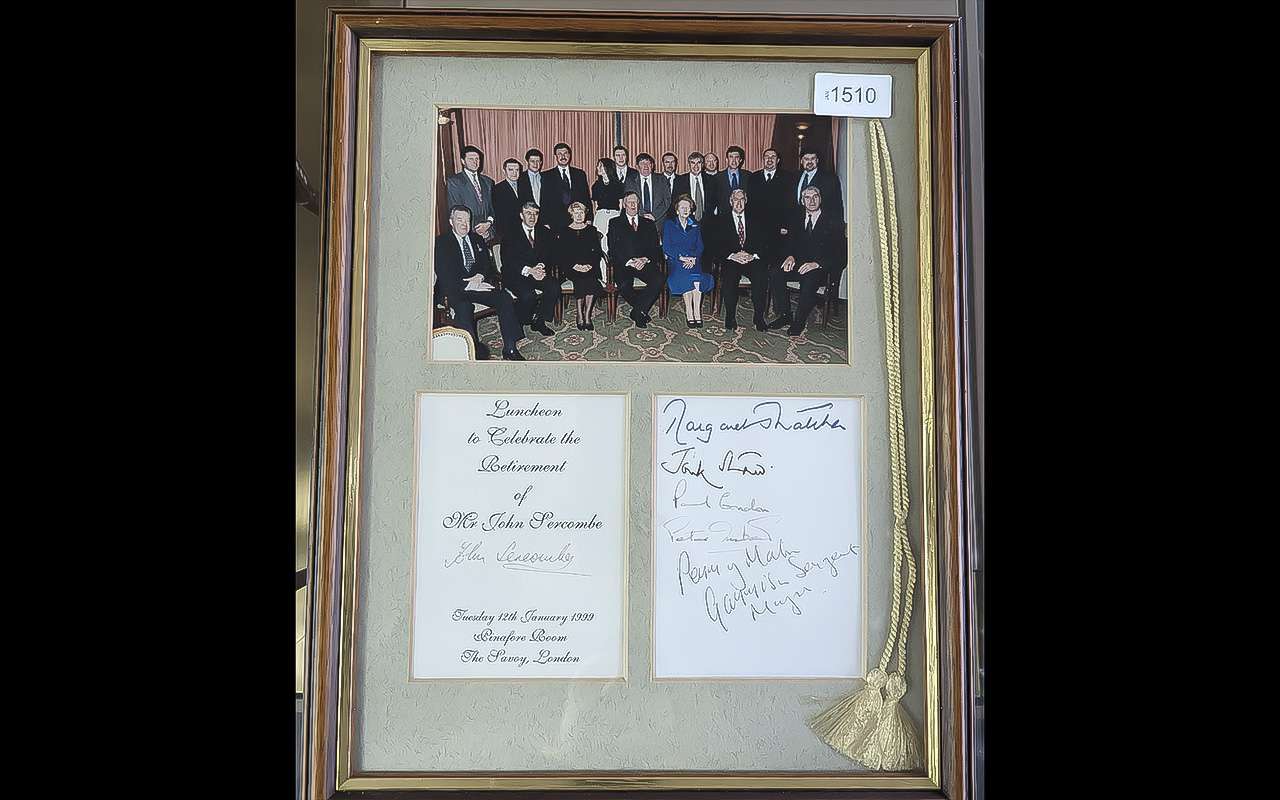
(346, 29)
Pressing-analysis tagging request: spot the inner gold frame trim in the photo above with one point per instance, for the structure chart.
(328, 732)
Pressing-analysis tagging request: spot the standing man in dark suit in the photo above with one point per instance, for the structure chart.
(465, 273)
(713, 164)
(814, 248)
(771, 198)
(528, 270)
(475, 191)
(635, 253)
(620, 158)
(651, 190)
(506, 198)
(733, 177)
(531, 179)
(531, 184)
(743, 245)
(563, 185)
(669, 164)
(699, 186)
(827, 182)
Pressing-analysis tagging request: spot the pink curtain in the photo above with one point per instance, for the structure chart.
(510, 133)
(658, 132)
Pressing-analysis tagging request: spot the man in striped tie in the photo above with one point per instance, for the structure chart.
(475, 191)
(466, 275)
(636, 256)
(743, 245)
(699, 186)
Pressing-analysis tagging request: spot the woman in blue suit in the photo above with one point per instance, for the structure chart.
(682, 243)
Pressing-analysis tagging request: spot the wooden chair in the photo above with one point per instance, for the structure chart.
(612, 288)
(826, 294)
(610, 291)
(744, 288)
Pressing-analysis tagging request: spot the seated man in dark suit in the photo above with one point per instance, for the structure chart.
(814, 247)
(465, 273)
(742, 243)
(635, 253)
(506, 199)
(528, 270)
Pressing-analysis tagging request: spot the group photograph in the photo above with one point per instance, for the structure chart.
(596, 235)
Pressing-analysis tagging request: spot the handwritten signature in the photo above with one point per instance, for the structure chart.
(747, 462)
(723, 502)
(828, 561)
(537, 561)
(468, 551)
(747, 580)
(756, 596)
(756, 529)
(768, 415)
(685, 467)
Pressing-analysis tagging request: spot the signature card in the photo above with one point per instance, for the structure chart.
(520, 536)
(758, 540)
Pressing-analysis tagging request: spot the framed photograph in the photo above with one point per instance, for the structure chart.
(681, 540)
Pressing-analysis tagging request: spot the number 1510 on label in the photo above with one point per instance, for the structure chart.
(836, 95)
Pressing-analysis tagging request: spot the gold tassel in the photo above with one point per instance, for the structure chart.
(891, 742)
(848, 720)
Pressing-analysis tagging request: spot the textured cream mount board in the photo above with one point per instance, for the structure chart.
(637, 724)
(520, 537)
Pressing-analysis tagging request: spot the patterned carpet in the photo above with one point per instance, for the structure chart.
(670, 339)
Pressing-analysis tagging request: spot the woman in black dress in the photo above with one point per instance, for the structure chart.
(579, 259)
(606, 192)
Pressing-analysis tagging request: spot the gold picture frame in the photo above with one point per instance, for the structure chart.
(372, 362)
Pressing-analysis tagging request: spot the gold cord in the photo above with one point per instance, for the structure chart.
(869, 725)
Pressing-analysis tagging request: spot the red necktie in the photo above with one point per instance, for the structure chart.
(634, 226)
(530, 235)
